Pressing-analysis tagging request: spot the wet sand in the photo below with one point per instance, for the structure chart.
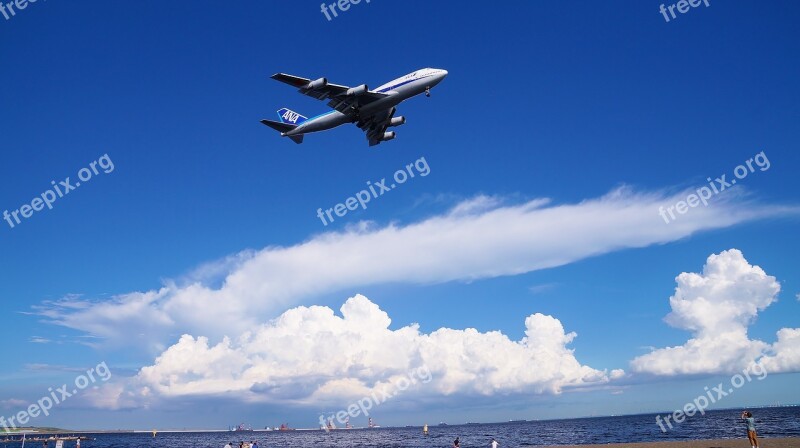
(790, 442)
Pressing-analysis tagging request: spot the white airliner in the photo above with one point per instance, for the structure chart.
(371, 110)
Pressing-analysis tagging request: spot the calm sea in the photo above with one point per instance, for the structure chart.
(770, 422)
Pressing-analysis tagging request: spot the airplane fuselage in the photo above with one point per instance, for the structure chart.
(398, 90)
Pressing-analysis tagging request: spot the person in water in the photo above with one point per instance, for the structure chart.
(494, 443)
(456, 443)
(751, 428)
(229, 445)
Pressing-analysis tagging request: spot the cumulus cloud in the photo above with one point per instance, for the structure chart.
(784, 355)
(478, 238)
(310, 355)
(718, 306)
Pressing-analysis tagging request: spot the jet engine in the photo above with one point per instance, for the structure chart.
(355, 91)
(318, 84)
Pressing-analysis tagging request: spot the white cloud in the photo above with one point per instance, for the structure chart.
(13, 403)
(479, 238)
(481, 203)
(309, 355)
(542, 288)
(718, 306)
(783, 355)
(39, 340)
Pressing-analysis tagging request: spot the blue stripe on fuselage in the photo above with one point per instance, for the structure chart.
(402, 84)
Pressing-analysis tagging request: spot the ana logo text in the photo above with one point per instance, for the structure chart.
(291, 116)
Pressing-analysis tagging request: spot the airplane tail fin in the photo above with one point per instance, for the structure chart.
(290, 116)
(284, 127)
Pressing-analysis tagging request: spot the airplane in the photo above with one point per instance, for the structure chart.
(371, 110)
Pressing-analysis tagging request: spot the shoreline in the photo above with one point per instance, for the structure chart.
(781, 442)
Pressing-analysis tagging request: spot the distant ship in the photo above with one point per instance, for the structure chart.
(240, 428)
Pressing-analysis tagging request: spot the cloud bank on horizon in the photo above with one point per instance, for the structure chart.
(368, 357)
(478, 238)
(718, 305)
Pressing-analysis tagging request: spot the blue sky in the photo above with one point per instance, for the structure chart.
(604, 109)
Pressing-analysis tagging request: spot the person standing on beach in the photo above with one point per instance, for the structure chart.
(751, 428)
(494, 443)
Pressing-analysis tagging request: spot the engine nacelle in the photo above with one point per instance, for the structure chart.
(355, 91)
(387, 136)
(397, 121)
(318, 84)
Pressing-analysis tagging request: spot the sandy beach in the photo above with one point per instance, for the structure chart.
(789, 442)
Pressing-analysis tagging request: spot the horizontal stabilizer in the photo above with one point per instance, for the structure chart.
(278, 126)
(282, 128)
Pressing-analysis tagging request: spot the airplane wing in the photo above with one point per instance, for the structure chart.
(376, 125)
(345, 99)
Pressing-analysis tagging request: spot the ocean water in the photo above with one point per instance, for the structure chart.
(770, 422)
